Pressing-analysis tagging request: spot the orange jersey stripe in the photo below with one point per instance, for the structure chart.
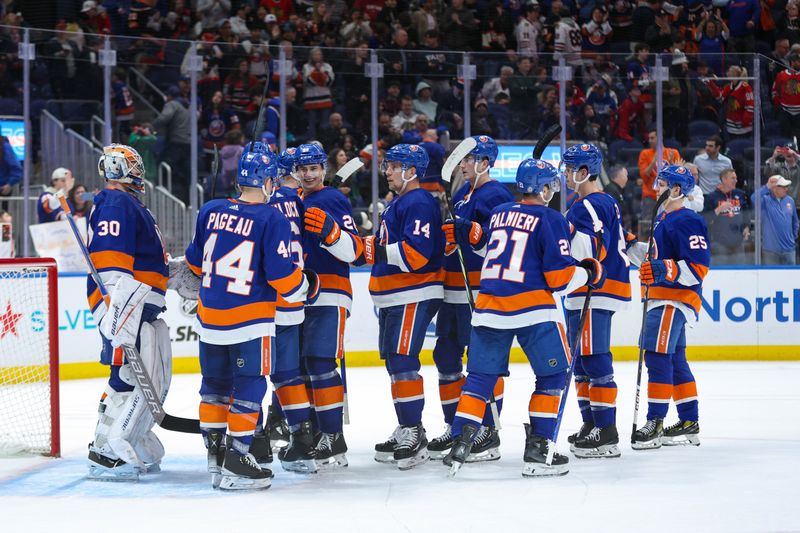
(111, 259)
(659, 391)
(563, 333)
(456, 279)
(340, 335)
(610, 286)
(402, 281)
(154, 279)
(684, 390)
(213, 413)
(415, 259)
(559, 278)
(407, 329)
(196, 269)
(289, 283)
(687, 296)
(544, 403)
(701, 270)
(664, 330)
(94, 298)
(266, 355)
(516, 302)
(334, 282)
(235, 315)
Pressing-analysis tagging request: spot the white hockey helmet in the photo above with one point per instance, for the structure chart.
(124, 164)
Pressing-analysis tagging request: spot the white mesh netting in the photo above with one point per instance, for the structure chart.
(25, 413)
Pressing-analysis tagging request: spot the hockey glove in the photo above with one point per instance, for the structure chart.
(182, 280)
(630, 240)
(313, 286)
(374, 252)
(659, 271)
(596, 272)
(465, 232)
(322, 225)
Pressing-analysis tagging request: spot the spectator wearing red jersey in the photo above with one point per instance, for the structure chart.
(739, 100)
(318, 77)
(371, 8)
(630, 121)
(786, 96)
(238, 85)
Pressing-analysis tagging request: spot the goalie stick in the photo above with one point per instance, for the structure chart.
(143, 380)
(455, 157)
(661, 200)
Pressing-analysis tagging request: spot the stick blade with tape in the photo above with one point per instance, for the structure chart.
(551, 133)
(347, 170)
(459, 153)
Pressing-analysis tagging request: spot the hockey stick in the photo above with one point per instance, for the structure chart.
(661, 200)
(143, 380)
(551, 133)
(347, 170)
(459, 153)
(214, 171)
(597, 226)
(258, 116)
(345, 406)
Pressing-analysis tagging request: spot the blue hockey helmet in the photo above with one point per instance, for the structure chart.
(286, 162)
(677, 175)
(408, 155)
(584, 155)
(485, 148)
(257, 147)
(256, 168)
(534, 174)
(309, 154)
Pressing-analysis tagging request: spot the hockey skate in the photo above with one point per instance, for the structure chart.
(242, 472)
(536, 448)
(104, 467)
(277, 430)
(684, 432)
(298, 456)
(412, 447)
(260, 448)
(649, 436)
(441, 445)
(215, 445)
(461, 449)
(330, 451)
(384, 451)
(585, 429)
(486, 446)
(600, 442)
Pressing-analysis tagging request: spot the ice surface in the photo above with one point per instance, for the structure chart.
(744, 476)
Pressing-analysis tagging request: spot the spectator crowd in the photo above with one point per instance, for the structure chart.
(708, 98)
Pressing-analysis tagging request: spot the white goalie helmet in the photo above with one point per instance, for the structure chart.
(122, 163)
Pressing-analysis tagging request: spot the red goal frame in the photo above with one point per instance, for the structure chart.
(52, 287)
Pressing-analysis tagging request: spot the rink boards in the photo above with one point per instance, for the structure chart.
(747, 314)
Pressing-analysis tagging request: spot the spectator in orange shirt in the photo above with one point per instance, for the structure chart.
(648, 169)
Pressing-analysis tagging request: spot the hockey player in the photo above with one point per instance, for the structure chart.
(406, 286)
(473, 202)
(593, 212)
(527, 259)
(126, 248)
(675, 272)
(330, 243)
(242, 250)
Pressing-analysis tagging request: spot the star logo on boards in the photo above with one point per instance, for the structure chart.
(8, 321)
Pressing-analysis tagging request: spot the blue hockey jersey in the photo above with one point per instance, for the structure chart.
(242, 251)
(682, 236)
(475, 205)
(124, 240)
(411, 230)
(287, 201)
(527, 259)
(334, 272)
(616, 290)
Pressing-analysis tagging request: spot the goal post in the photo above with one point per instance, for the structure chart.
(29, 398)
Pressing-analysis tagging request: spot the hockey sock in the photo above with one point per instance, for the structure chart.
(582, 390)
(473, 403)
(659, 383)
(449, 391)
(290, 393)
(499, 387)
(328, 393)
(407, 388)
(215, 396)
(602, 388)
(248, 393)
(684, 392)
(277, 408)
(543, 407)
(304, 376)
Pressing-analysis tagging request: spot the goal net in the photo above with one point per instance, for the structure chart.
(29, 357)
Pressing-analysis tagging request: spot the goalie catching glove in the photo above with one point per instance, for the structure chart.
(659, 271)
(464, 232)
(120, 324)
(322, 226)
(182, 280)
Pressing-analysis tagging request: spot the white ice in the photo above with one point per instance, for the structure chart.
(744, 476)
